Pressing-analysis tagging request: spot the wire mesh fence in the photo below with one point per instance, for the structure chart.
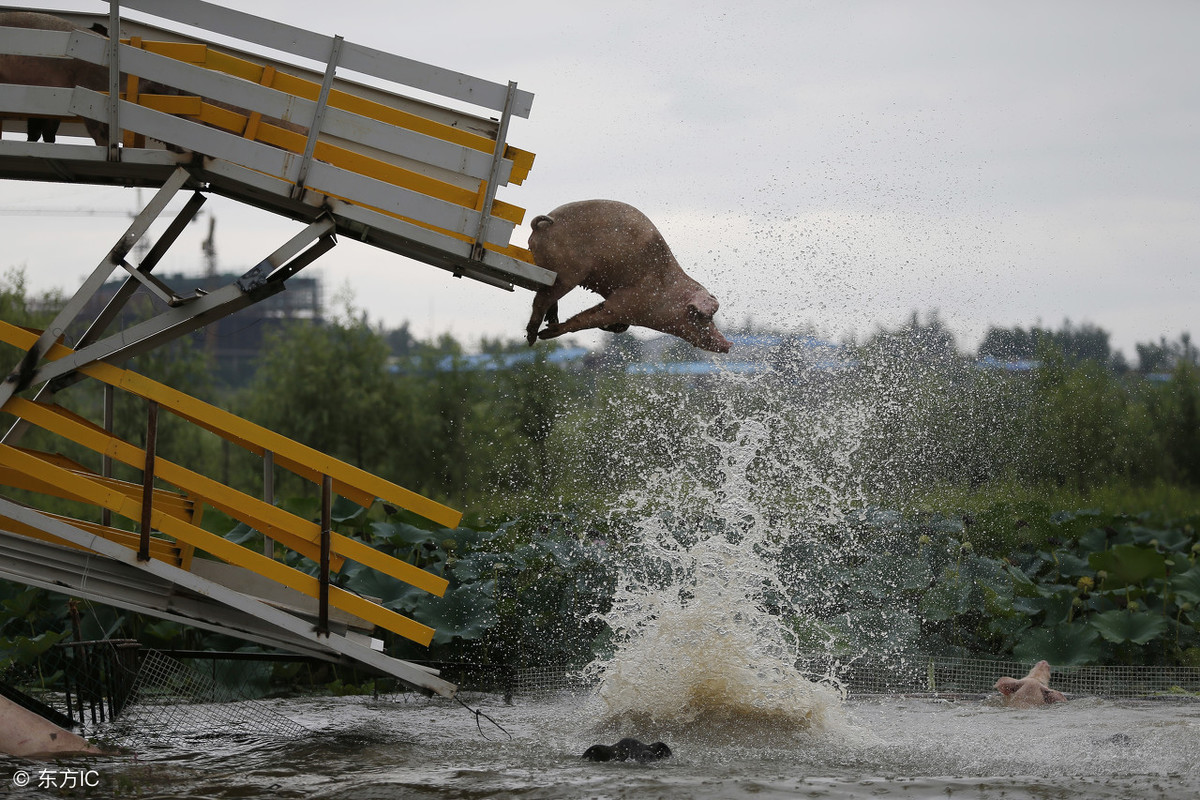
(169, 696)
(108, 693)
(932, 675)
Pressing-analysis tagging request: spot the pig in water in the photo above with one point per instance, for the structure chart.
(1032, 690)
(614, 250)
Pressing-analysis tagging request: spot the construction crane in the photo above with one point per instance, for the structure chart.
(209, 248)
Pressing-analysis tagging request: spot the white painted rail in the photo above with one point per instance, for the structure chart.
(400, 173)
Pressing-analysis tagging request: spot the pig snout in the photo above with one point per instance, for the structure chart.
(701, 330)
(706, 337)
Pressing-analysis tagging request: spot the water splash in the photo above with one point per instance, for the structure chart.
(705, 631)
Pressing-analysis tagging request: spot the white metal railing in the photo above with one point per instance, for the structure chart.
(458, 217)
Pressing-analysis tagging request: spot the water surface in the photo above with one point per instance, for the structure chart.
(406, 747)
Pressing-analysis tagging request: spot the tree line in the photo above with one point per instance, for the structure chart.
(537, 436)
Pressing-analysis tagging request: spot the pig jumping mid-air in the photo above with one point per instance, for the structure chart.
(1032, 690)
(614, 250)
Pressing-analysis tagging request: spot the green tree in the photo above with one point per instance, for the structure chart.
(329, 387)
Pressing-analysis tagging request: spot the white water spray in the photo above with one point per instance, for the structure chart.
(705, 631)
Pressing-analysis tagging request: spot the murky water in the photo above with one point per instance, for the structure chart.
(362, 748)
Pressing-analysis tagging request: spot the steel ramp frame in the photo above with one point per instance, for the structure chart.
(400, 174)
(405, 175)
(183, 315)
(176, 514)
(111, 574)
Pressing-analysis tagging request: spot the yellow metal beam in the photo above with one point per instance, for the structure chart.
(248, 435)
(204, 56)
(224, 549)
(173, 503)
(291, 531)
(160, 549)
(288, 529)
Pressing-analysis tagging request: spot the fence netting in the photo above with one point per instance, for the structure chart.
(943, 676)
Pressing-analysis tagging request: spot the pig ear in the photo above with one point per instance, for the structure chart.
(1051, 696)
(703, 304)
(1008, 685)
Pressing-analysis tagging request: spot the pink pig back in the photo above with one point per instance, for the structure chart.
(602, 245)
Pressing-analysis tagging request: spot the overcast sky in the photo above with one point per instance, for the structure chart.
(833, 165)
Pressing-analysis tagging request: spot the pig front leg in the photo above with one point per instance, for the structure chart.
(598, 316)
(545, 306)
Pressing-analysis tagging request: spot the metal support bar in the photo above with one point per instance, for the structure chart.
(257, 276)
(114, 80)
(113, 308)
(326, 533)
(489, 195)
(145, 587)
(167, 326)
(323, 246)
(148, 479)
(22, 376)
(314, 130)
(127, 290)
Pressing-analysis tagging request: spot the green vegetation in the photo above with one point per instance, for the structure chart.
(1095, 588)
(986, 548)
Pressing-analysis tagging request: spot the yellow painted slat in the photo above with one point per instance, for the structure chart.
(174, 503)
(228, 551)
(286, 528)
(242, 431)
(349, 160)
(169, 502)
(289, 530)
(522, 160)
(321, 464)
(180, 51)
(277, 523)
(160, 549)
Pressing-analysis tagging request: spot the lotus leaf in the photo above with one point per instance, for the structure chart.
(400, 534)
(883, 576)
(1186, 585)
(1121, 626)
(1073, 566)
(1054, 601)
(465, 612)
(25, 650)
(947, 598)
(1068, 644)
(1176, 540)
(1094, 540)
(1128, 564)
(346, 511)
